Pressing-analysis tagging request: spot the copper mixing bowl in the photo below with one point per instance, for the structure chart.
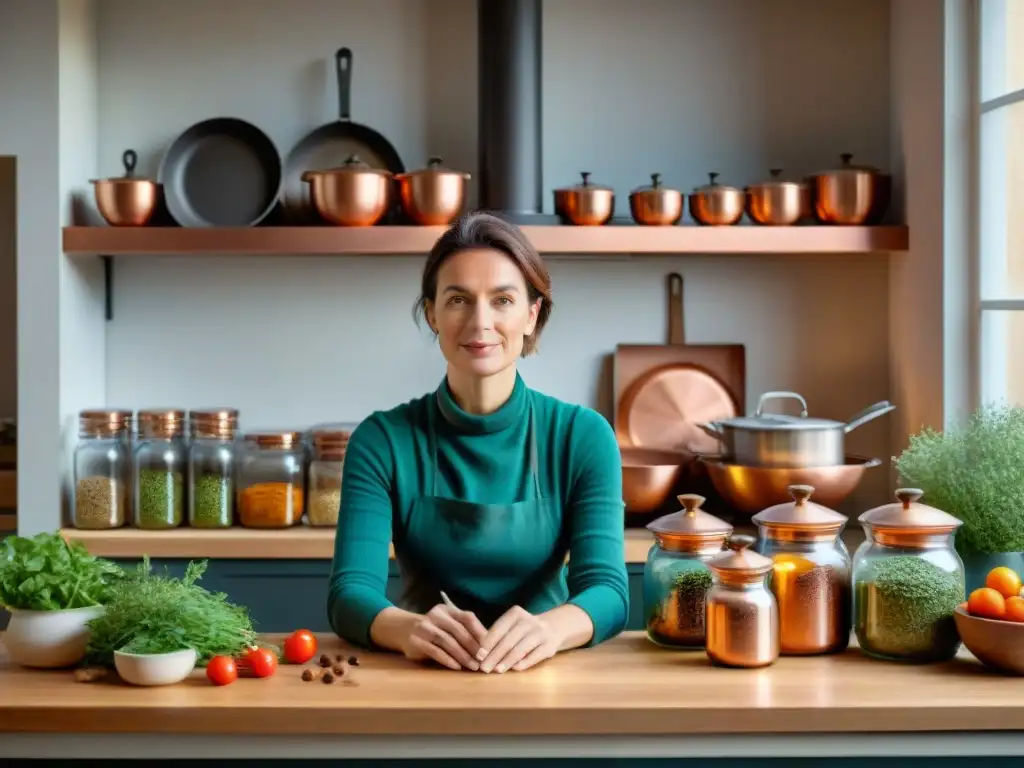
(748, 490)
(650, 477)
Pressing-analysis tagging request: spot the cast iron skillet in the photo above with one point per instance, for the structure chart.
(329, 145)
(221, 172)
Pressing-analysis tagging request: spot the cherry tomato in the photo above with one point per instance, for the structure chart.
(300, 647)
(262, 662)
(222, 670)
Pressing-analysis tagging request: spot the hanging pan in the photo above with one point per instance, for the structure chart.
(329, 145)
(222, 172)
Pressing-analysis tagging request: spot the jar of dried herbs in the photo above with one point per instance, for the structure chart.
(907, 581)
(810, 575)
(161, 457)
(326, 465)
(676, 575)
(102, 469)
(211, 467)
(271, 479)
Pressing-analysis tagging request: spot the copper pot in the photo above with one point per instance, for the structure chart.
(850, 195)
(586, 204)
(716, 204)
(656, 206)
(650, 478)
(777, 202)
(432, 196)
(353, 195)
(748, 490)
(126, 201)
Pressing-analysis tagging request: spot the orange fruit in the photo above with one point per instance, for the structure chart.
(1003, 580)
(1015, 609)
(987, 603)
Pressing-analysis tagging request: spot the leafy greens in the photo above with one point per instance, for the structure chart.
(47, 573)
(150, 613)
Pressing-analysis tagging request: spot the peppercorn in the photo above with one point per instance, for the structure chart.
(339, 670)
(353, 661)
(328, 678)
(325, 661)
(339, 657)
(308, 675)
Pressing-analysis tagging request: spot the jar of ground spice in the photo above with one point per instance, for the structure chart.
(161, 458)
(676, 575)
(102, 469)
(907, 581)
(211, 467)
(271, 479)
(742, 614)
(810, 575)
(327, 462)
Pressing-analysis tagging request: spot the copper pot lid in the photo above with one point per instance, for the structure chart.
(130, 159)
(714, 185)
(353, 164)
(740, 559)
(434, 167)
(585, 185)
(775, 181)
(691, 521)
(909, 514)
(800, 513)
(655, 186)
(663, 408)
(847, 166)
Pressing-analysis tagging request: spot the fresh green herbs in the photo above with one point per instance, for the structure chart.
(150, 613)
(905, 609)
(47, 573)
(975, 473)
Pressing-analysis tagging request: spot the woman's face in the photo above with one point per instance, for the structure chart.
(481, 311)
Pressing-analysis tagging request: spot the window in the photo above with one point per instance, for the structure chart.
(1001, 199)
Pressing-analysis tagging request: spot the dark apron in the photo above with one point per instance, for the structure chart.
(486, 557)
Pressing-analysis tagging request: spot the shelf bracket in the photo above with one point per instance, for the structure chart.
(108, 286)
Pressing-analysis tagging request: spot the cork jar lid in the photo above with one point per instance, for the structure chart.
(740, 559)
(908, 513)
(800, 513)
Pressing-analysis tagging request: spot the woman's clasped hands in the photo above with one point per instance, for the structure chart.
(456, 639)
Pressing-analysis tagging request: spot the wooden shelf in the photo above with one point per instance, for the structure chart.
(566, 240)
(8, 490)
(8, 523)
(300, 543)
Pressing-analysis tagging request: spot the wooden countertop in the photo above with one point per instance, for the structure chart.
(624, 687)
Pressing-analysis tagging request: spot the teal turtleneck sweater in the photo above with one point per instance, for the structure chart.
(389, 464)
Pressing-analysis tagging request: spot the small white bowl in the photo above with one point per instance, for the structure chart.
(49, 639)
(155, 668)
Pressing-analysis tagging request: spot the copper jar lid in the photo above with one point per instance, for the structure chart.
(281, 440)
(161, 422)
(214, 423)
(691, 528)
(908, 514)
(801, 514)
(104, 421)
(330, 445)
(740, 560)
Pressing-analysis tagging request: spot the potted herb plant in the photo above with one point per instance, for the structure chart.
(975, 472)
(52, 589)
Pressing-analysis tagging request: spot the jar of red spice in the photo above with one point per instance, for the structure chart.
(271, 479)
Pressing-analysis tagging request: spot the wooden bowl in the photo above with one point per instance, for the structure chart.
(997, 644)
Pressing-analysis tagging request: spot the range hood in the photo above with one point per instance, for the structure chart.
(509, 83)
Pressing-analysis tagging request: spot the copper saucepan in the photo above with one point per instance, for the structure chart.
(129, 200)
(354, 195)
(850, 195)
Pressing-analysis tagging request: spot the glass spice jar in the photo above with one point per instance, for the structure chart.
(161, 459)
(211, 467)
(271, 480)
(742, 614)
(326, 466)
(102, 469)
(810, 575)
(676, 575)
(907, 581)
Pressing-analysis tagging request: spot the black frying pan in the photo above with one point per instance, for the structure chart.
(222, 172)
(331, 144)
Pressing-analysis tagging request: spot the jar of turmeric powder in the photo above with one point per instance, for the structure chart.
(271, 479)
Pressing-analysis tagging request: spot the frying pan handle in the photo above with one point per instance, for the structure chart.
(869, 414)
(676, 332)
(343, 63)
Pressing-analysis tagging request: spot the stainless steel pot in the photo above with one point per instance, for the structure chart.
(778, 440)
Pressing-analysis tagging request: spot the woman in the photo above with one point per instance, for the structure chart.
(483, 486)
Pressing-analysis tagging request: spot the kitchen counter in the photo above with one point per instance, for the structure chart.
(624, 698)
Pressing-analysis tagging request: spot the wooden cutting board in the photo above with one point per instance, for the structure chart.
(661, 391)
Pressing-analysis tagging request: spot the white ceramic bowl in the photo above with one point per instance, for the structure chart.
(155, 668)
(49, 639)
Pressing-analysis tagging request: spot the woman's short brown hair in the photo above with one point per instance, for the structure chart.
(485, 230)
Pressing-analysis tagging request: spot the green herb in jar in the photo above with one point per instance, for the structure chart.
(905, 610)
(680, 621)
(160, 499)
(212, 502)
